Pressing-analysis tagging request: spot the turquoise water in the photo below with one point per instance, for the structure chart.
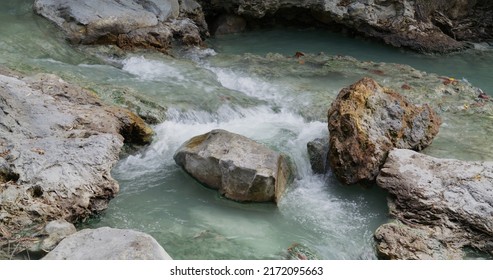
(473, 65)
(269, 100)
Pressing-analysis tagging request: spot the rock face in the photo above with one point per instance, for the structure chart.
(240, 168)
(127, 23)
(108, 244)
(422, 25)
(58, 143)
(366, 121)
(441, 206)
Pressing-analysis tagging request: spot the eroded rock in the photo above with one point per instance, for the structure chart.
(422, 25)
(445, 205)
(108, 244)
(366, 121)
(127, 23)
(240, 168)
(58, 143)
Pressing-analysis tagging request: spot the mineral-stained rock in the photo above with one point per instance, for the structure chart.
(126, 23)
(317, 153)
(400, 241)
(108, 244)
(366, 121)
(58, 143)
(444, 204)
(240, 168)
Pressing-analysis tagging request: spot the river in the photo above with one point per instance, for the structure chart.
(228, 86)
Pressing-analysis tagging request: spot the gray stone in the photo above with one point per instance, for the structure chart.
(56, 230)
(450, 200)
(366, 121)
(108, 244)
(59, 143)
(240, 168)
(125, 23)
(317, 153)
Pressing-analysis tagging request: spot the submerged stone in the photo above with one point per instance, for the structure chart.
(240, 168)
(299, 251)
(366, 121)
(443, 204)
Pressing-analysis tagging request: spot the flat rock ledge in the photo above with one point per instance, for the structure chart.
(240, 168)
(108, 244)
(58, 144)
(129, 24)
(441, 207)
(366, 121)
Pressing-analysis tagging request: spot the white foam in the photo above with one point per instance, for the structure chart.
(147, 69)
(251, 86)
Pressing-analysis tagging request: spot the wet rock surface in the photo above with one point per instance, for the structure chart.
(442, 206)
(240, 168)
(58, 143)
(422, 25)
(128, 24)
(317, 154)
(108, 244)
(366, 121)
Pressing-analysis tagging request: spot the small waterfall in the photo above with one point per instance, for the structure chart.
(315, 211)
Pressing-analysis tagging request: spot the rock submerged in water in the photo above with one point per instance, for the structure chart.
(108, 244)
(240, 168)
(441, 207)
(366, 121)
(58, 144)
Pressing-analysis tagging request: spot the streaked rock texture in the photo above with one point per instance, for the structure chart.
(240, 168)
(441, 205)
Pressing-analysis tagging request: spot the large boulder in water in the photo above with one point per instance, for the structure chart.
(108, 244)
(127, 23)
(366, 121)
(240, 168)
(442, 204)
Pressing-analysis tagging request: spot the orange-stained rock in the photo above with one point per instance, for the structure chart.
(366, 121)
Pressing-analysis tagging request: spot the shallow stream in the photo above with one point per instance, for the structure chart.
(240, 85)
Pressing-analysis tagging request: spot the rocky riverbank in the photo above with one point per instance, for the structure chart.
(424, 26)
(58, 143)
(441, 207)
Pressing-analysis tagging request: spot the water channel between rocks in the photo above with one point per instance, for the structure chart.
(238, 86)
